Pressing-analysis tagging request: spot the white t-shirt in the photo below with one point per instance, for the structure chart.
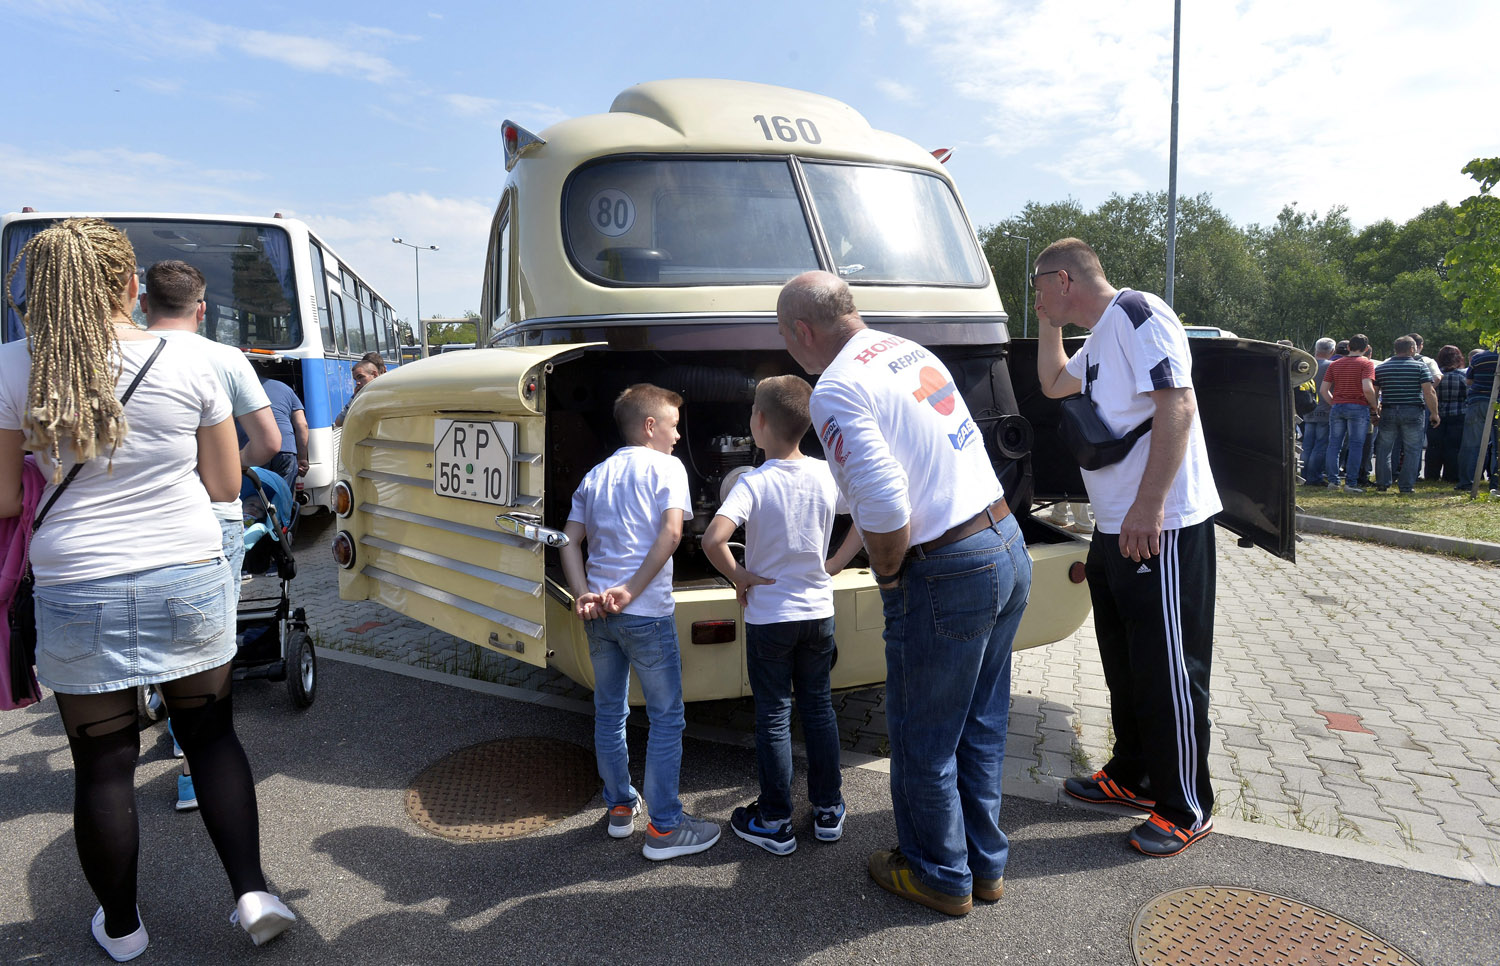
(151, 509)
(620, 504)
(237, 377)
(899, 438)
(1138, 346)
(787, 509)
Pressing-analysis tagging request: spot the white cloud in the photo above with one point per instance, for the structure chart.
(1365, 103)
(897, 91)
(868, 21)
(451, 276)
(352, 53)
(468, 105)
(116, 179)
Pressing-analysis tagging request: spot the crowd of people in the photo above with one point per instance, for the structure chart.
(1410, 416)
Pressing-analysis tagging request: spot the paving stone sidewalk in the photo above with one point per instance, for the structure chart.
(1354, 693)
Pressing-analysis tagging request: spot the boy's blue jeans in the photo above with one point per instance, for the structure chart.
(949, 626)
(780, 657)
(619, 643)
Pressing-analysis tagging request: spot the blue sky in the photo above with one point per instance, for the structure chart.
(376, 119)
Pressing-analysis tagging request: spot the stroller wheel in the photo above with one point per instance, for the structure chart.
(301, 669)
(149, 707)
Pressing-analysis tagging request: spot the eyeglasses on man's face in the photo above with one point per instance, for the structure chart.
(1055, 271)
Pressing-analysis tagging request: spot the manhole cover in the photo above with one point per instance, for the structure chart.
(1222, 926)
(501, 789)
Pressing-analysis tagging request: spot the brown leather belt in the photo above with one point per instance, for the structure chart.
(982, 520)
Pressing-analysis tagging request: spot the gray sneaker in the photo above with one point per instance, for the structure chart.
(622, 820)
(691, 835)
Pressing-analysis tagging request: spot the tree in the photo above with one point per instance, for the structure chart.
(1473, 263)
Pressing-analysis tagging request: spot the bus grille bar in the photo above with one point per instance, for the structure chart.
(522, 499)
(407, 516)
(373, 441)
(519, 624)
(532, 587)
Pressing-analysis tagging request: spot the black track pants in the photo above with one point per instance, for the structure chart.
(1155, 620)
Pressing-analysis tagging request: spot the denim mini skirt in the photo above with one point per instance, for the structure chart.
(131, 629)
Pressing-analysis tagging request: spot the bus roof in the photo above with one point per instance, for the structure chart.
(717, 116)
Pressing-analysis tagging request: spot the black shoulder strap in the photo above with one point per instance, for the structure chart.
(129, 391)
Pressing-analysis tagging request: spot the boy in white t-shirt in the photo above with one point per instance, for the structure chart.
(630, 509)
(787, 507)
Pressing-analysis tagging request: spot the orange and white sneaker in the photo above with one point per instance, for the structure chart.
(1159, 838)
(1103, 790)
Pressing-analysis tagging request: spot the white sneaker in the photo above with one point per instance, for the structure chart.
(263, 916)
(124, 948)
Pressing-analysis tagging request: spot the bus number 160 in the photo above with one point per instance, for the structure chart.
(789, 129)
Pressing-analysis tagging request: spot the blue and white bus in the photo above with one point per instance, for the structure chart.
(275, 290)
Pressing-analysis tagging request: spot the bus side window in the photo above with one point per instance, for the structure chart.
(320, 293)
(336, 320)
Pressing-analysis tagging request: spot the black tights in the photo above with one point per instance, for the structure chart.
(105, 742)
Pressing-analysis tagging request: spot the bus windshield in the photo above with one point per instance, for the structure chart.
(251, 293)
(710, 221)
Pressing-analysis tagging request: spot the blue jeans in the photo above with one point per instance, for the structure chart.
(619, 643)
(779, 657)
(1351, 421)
(1406, 425)
(234, 553)
(1315, 452)
(949, 625)
(1476, 417)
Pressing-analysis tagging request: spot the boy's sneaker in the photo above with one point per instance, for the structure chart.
(691, 835)
(187, 797)
(828, 823)
(176, 748)
(1103, 790)
(1160, 838)
(893, 873)
(622, 820)
(774, 837)
(1351, 488)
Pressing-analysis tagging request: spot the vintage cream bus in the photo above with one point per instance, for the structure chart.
(648, 244)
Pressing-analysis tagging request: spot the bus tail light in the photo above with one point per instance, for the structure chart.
(343, 498)
(343, 549)
(1076, 572)
(713, 632)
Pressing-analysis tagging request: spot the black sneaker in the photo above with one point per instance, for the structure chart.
(1160, 839)
(774, 837)
(1103, 790)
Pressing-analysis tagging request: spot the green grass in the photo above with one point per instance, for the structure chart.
(1434, 508)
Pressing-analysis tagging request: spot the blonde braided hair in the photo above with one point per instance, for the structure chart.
(77, 278)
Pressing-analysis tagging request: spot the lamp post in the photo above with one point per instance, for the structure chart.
(1025, 277)
(417, 251)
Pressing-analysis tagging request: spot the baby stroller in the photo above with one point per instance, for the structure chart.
(272, 637)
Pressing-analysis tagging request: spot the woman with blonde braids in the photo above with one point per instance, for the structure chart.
(114, 614)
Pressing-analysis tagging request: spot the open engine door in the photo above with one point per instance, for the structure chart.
(1244, 393)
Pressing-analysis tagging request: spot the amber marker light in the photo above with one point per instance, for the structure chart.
(343, 549)
(343, 498)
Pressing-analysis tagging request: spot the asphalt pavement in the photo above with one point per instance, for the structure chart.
(371, 887)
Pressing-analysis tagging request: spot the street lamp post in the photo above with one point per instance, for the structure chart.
(1025, 277)
(417, 251)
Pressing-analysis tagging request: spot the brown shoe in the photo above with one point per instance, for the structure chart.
(989, 890)
(893, 873)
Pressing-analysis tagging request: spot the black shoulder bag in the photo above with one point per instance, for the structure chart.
(23, 606)
(1088, 438)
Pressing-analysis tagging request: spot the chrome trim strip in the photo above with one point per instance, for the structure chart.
(519, 624)
(416, 481)
(532, 458)
(407, 516)
(532, 587)
(394, 444)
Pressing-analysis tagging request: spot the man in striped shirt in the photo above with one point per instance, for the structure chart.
(1405, 388)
